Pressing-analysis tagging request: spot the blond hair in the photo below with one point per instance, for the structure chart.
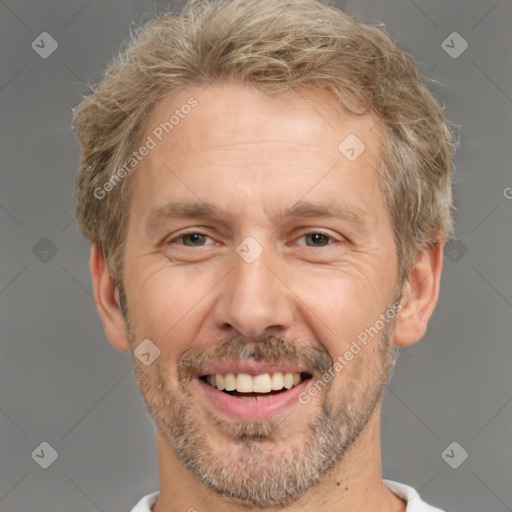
(272, 47)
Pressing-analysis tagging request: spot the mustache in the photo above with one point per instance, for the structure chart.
(270, 349)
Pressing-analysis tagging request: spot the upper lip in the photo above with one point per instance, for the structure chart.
(249, 367)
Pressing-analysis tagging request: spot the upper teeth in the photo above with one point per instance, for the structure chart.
(245, 383)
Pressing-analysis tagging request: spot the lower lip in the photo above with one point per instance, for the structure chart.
(254, 410)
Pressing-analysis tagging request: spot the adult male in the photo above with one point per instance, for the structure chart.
(267, 191)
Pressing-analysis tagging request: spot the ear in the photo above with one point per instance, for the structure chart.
(419, 297)
(106, 297)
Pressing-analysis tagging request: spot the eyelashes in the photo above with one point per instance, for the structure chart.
(198, 239)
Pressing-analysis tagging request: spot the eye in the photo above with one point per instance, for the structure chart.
(316, 239)
(198, 239)
(194, 239)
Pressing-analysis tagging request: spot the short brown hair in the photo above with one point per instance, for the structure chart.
(273, 47)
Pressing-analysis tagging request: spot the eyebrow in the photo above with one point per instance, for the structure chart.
(345, 211)
(302, 209)
(180, 210)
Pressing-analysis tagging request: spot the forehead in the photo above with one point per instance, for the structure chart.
(228, 114)
(228, 137)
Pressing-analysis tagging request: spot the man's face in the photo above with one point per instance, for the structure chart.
(291, 298)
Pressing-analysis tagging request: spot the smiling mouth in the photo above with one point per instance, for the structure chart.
(255, 387)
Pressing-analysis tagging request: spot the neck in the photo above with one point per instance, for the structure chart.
(354, 485)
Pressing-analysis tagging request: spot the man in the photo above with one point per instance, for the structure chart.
(267, 191)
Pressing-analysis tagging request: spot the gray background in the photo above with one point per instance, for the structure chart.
(61, 381)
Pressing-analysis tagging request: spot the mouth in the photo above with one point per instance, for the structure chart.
(254, 392)
(254, 388)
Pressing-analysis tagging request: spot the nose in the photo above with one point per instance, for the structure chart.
(254, 299)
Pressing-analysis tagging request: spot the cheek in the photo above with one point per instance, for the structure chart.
(166, 308)
(338, 306)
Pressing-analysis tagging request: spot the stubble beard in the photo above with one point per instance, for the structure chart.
(260, 470)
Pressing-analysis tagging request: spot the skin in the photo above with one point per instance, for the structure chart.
(254, 156)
